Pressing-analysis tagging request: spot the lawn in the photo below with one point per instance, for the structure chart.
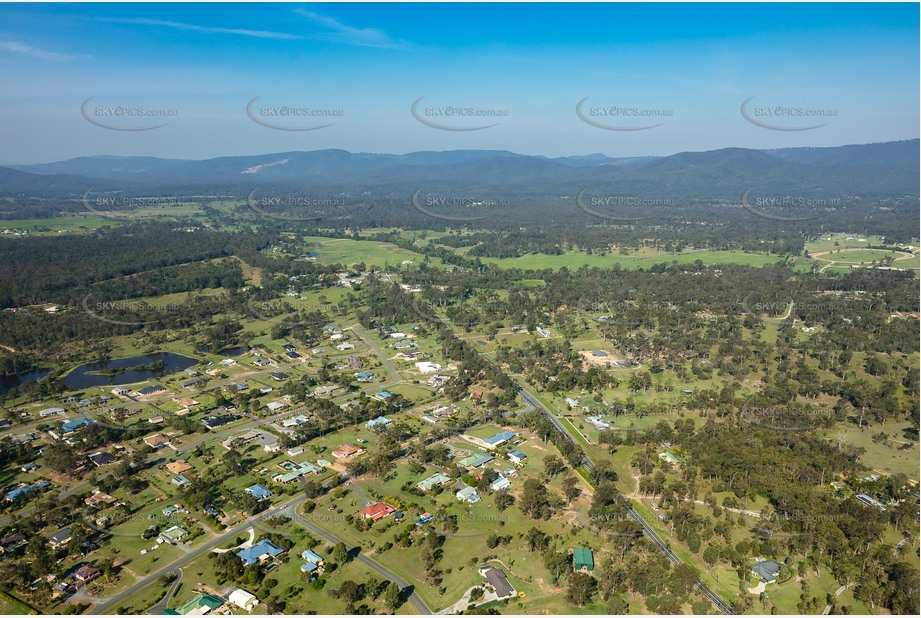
(880, 457)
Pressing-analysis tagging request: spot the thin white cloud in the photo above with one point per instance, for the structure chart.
(28, 50)
(258, 34)
(342, 33)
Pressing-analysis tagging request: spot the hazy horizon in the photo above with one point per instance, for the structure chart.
(651, 80)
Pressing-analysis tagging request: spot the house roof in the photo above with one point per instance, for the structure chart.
(497, 579)
(436, 479)
(258, 491)
(241, 598)
(377, 510)
(467, 492)
(178, 466)
(583, 557)
(199, 604)
(311, 556)
(768, 570)
(103, 458)
(254, 554)
(380, 420)
(517, 455)
(74, 425)
(499, 438)
(475, 460)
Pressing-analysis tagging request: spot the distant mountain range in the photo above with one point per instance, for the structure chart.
(868, 170)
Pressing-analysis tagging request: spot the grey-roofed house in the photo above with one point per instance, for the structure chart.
(496, 579)
(767, 571)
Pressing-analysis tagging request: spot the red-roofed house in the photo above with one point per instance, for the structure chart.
(377, 511)
(347, 450)
(477, 395)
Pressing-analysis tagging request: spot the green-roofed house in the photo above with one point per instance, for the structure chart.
(436, 480)
(475, 460)
(582, 559)
(199, 605)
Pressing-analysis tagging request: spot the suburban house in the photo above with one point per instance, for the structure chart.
(84, 575)
(52, 412)
(444, 412)
(99, 498)
(499, 439)
(598, 423)
(199, 605)
(313, 563)
(120, 390)
(364, 376)
(150, 390)
(156, 441)
(294, 474)
(181, 481)
(179, 466)
(380, 421)
(12, 543)
(173, 535)
(102, 459)
(279, 376)
(500, 484)
(436, 480)
(72, 426)
(376, 511)
(60, 538)
(243, 599)
(767, 571)
(583, 559)
(258, 492)
(477, 395)
(427, 367)
(468, 494)
(275, 406)
(517, 457)
(347, 450)
(25, 490)
(261, 552)
(496, 579)
(475, 460)
(382, 396)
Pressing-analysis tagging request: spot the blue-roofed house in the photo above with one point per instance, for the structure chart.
(383, 396)
(258, 492)
(517, 457)
(25, 490)
(499, 438)
(260, 552)
(72, 426)
(364, 376)
(380, 421)
(313, 563)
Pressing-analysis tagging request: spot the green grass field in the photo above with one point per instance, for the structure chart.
(576, 259)
(350, 252)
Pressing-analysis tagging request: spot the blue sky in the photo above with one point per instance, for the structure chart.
(696, 64)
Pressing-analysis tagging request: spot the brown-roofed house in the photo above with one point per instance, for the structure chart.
(187, 402)
(156, 441)
(347, 450)
(99, 498)
(178, 467)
